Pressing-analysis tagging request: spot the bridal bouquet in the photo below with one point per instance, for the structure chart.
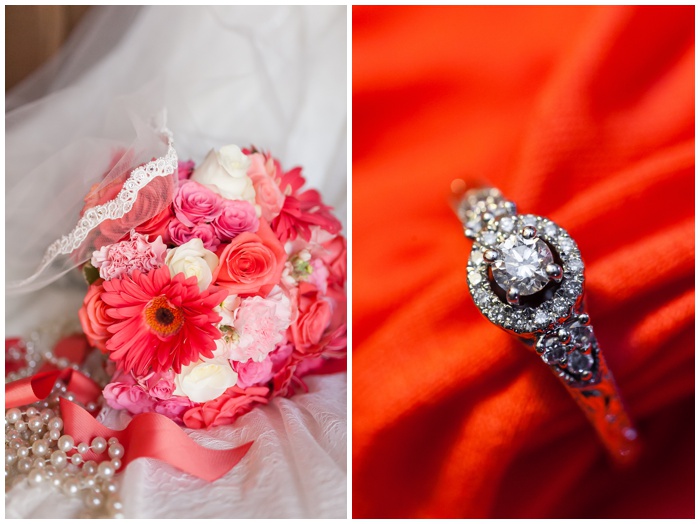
(225, 298)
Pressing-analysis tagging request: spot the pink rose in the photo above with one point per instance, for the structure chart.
(252, 373)
(194, 203)
(93, 317)
(237, 216)
(174, 407)
(184, 169)
(252, 263)
(314, 314)
(225, 408)
(124, 393)
(159, 385)
(268, 195)
(181, 234)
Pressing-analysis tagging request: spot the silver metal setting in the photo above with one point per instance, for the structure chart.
(541, 300)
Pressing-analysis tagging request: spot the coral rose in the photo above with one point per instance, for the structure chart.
(93, 317)
(252, 263)
(314, 315)
(226, 408)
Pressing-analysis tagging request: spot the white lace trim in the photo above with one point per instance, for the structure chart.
(114, 209)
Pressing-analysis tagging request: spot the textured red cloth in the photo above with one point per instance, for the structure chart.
(584, 115)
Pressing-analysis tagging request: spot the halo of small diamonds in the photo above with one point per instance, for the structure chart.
(527, 318)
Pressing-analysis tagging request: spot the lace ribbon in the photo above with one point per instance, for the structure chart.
(148, 435)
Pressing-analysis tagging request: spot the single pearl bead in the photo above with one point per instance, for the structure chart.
(89, 482)
(16, 443)
(93, 500)
(55, 434)
(10, 457)
(116, 463)
(20, 425)
(116, 451)
(35, 477)
(24, 465)
(90, 467)
(32, 412)
(56, 423)
(47, 414)
(114, 506)
(22, 452)
(91, 406)
(56, 482)
(39, 463)
(113, 440)
(76, 459)
(70, 396)
(65, 443)
(83, 448)
(12, 434)
(50, 471)
(13, 416)
(40, 448)
(111, 487)
(59, 459)
(33, 438)
(99, 444)
(105, 470)
(71, 486)
(35, 424)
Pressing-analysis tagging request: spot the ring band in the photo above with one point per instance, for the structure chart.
(526, 275)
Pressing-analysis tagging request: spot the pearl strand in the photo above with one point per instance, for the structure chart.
(37, 450)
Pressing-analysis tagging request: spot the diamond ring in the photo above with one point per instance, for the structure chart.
(525, 275)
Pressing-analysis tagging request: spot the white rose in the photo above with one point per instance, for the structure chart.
(206, 379)
(193, 259)
(225, 172)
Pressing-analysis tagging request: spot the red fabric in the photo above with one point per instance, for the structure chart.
(581, 114)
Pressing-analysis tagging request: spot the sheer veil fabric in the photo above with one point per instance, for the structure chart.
(273, 77)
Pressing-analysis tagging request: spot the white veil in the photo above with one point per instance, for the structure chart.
(273, 77)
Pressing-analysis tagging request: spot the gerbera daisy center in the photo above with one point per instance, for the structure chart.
(162, 317)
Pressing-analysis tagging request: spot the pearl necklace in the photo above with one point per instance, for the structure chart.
(36, 449)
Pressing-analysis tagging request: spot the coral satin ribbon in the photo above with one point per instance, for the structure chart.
(38, 387)
(147, 435)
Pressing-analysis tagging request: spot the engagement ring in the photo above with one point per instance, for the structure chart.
(526, 275)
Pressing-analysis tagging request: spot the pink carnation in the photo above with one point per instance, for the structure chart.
(260, 324)
(123, 258)
(124, 393)
(194, 203)
(237, 216)
(181, 234)
(252, 373)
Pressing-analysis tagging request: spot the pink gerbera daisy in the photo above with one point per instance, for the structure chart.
(160, 322)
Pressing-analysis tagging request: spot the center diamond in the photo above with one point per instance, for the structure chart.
(522, 264)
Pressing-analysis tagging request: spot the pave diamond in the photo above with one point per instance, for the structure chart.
(579, 362)
(521, 264)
